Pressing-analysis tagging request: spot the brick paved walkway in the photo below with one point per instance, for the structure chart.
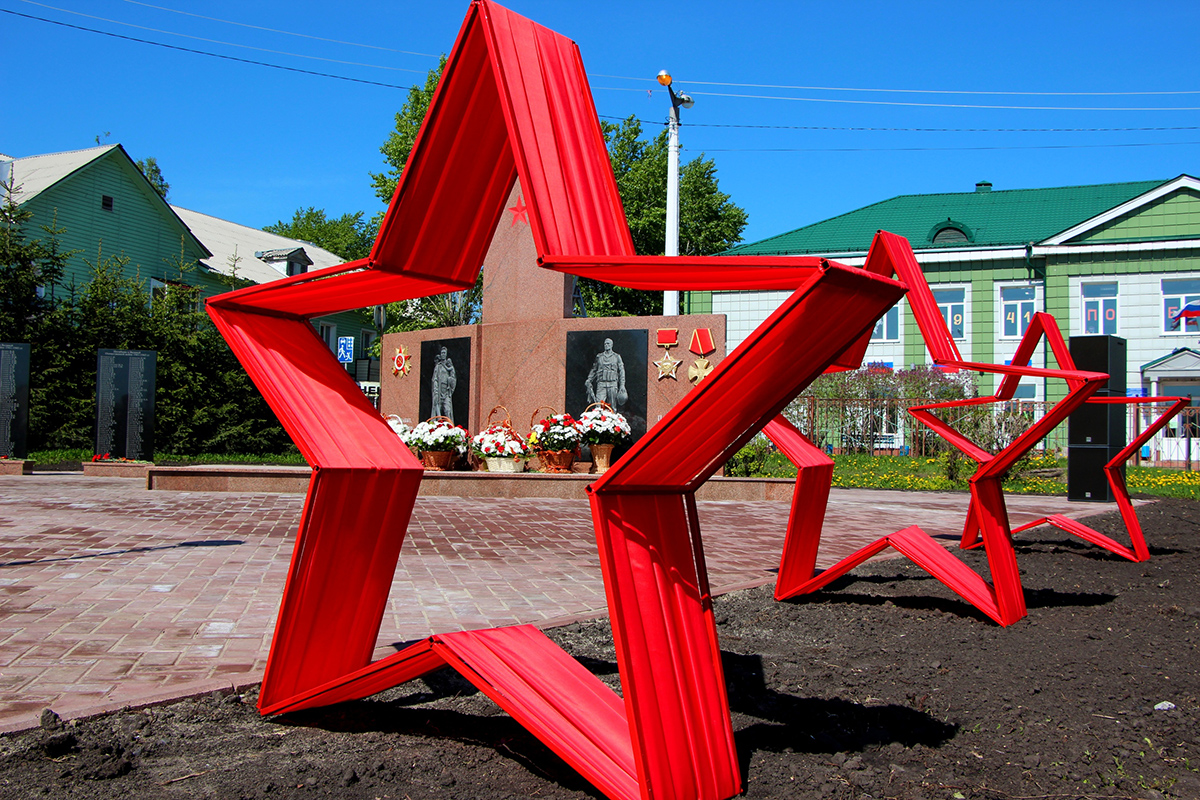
(111, 594)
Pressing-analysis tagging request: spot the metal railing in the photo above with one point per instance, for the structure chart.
(883, 426)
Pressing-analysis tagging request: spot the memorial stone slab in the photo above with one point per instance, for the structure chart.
(14, 400)
(445, 369)
(609, 366)
(125, 381)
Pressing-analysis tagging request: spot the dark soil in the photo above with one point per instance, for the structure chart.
(886, 686)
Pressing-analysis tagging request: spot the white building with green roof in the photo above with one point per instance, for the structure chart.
(1117, 258)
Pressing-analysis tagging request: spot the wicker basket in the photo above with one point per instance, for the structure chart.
(552, 461)
(439, 460)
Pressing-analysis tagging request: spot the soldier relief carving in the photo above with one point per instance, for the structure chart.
(445, 369)
(605, 382)
(609, 366)
(442, 385)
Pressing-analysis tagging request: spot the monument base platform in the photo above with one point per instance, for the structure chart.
(16, 466)
(116, 469)
(444, 484)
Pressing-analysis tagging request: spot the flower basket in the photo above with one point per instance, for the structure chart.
(601, 457)
(438, 460)
(602, 430)
(438, 435)
(499, 445)
(508, 465)
(555, 439)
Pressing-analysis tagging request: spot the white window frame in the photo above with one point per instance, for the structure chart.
(1099, 305)
(328, 334)
(887, 328)
(947, 309)
(1176, 298)
(1022, 308)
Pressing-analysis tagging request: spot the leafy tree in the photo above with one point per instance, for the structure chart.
(349, 236)
(438, 311)
(149, 167)
(29, 269)
(400, 142)
(708, 221)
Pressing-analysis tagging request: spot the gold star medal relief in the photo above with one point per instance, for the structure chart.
(667, 366)
(401, 362)
(666, 339)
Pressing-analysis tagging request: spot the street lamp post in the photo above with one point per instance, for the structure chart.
(671, 299)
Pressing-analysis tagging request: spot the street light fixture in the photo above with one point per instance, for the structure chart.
(678, 101)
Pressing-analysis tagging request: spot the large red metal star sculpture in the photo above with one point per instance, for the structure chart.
(514, 103)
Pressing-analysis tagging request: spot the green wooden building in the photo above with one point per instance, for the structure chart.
(1117, 258)
(103, 207)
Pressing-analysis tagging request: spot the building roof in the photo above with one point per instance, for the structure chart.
(988, 218)
(32, 175)
(229, 240)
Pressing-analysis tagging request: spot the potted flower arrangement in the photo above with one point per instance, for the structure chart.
(500, 448)
(603, 429)
(439, 441)
(556, 440)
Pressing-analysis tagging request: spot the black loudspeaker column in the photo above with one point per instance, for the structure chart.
(1095, 432)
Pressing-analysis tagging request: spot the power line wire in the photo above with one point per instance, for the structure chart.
(277, 30)
(912, 91)
(206, 53)
(927, 149)
(910, 104)
(939, 105)
(912, 130)
(218, 41)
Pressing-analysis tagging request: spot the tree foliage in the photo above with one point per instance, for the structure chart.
(400, 141)
(149, 167)
(708, 221)
(348, 236)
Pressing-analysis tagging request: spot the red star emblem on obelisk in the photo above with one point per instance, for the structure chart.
(520, 212)
(522, 93)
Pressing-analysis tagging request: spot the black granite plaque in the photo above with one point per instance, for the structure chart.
(125, 403)
(595, 370)
(446, 379)
(14, 400)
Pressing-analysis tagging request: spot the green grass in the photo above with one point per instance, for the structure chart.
(929, 474)
(48, 459)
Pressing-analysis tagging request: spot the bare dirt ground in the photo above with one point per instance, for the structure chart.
(886, 686)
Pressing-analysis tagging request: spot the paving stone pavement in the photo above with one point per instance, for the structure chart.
(113, 595)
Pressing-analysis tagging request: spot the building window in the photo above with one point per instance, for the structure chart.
(296, 268)
(158, 289)
(952, 304)
(106, 202)
(328, 333)
(1016, 304)
(1100, 308)
(887, 329)
(1176, 295)
(368, 338)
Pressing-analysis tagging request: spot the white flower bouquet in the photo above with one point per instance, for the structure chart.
(601, 425)
(554, 433)
(498, 441)
(438, 435)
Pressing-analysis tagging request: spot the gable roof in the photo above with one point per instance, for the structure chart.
(32, 175)
(227, 240)
(1005, 218)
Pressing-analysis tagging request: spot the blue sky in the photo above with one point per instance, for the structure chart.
(252, 144)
